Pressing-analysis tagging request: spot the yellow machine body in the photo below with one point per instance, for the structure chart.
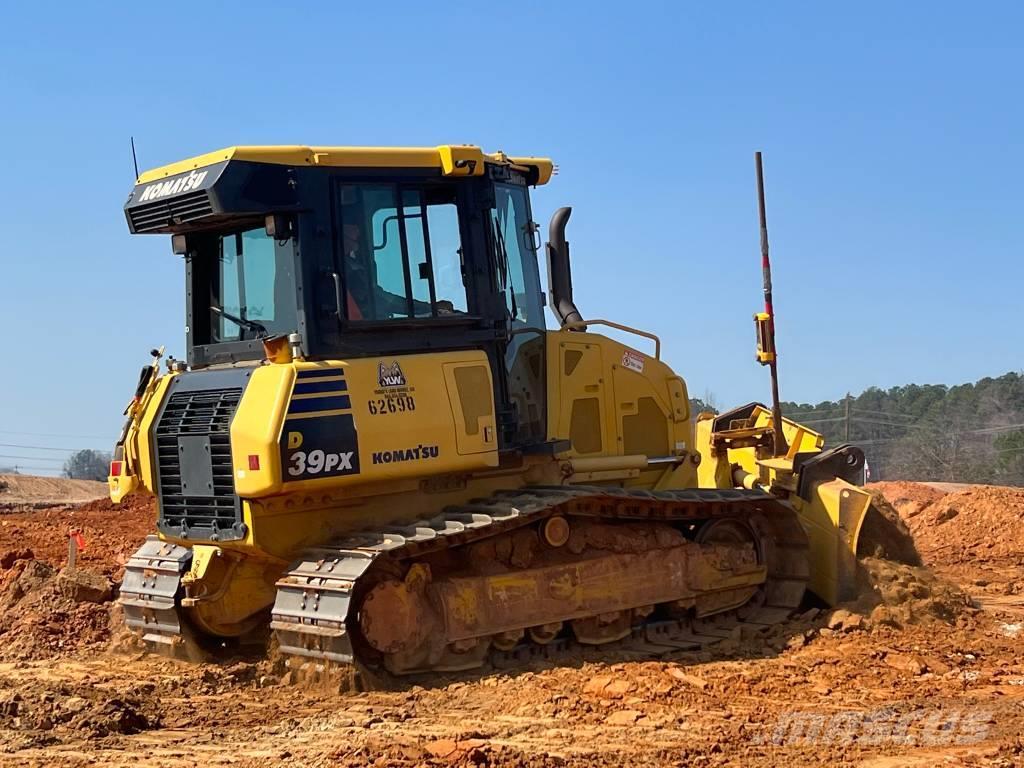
(313, 448)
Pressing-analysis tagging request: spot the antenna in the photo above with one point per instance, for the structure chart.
(766, 352)
(135, 161)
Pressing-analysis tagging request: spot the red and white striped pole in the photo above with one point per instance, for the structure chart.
(766, 269)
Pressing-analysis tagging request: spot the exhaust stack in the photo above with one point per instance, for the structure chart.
(560, 271)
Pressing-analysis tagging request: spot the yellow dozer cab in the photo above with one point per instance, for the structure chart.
(378, 451)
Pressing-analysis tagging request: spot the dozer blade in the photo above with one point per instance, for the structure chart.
(832, 518)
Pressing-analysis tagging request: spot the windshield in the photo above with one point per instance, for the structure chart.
(252, 289)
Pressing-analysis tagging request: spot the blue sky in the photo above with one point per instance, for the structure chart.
(893, 159)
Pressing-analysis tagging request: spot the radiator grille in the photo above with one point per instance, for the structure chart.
(161, 214)
(216, 513)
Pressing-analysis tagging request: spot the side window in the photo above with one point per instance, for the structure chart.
(371, 246)
(254, 287)
(446, 254)
(518, 278)
(416, 243)
(400, 260)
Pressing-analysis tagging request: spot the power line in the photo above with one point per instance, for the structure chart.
(18, 467)
(881, 413)
(30, 458)
(52, 434)
(879, 422)
(46, 448)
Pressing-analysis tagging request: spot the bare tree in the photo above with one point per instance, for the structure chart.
(87, 464)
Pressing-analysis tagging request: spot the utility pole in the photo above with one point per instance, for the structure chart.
(846, 418)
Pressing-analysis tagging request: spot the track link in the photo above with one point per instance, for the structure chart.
(315, 611)
(151, 591)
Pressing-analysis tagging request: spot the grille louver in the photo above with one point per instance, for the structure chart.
(198, 414)
(176, 210)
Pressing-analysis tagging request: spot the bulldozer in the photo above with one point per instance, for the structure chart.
(378, 452)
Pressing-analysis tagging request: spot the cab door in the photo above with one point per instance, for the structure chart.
(512, 241)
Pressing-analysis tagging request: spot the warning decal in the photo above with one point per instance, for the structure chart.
(633, 360)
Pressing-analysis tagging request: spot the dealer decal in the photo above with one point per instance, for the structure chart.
(390, 375)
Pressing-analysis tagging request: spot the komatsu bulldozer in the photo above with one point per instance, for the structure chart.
(379, 452)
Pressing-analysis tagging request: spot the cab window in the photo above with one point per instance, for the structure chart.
(516, 256)
(251, 287)
(401, 251)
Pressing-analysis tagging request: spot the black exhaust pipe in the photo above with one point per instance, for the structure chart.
(560, 271)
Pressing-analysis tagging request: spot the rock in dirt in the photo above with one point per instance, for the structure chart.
(697, 682)
(843, 620)
(608, 687)
(623, 717)
(84, 586)
(906, 663)
(8, 559)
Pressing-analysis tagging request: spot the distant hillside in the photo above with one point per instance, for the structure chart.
(29, 490)
(970, 433)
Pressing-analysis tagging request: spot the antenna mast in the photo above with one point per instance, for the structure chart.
(135, 161)
(766, 323)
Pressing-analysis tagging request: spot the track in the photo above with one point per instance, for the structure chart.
(314, 616)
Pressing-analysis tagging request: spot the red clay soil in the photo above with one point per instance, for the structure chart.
(111, 533)
(980, 522)
(912, 674)
(908, 498)
(971, 535)
(976, 522)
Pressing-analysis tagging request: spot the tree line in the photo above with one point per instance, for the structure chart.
(969, 433)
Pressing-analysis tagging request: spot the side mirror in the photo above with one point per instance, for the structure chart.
(278, 226)
(179, 244)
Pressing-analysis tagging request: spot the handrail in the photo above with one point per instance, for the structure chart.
(584, 323)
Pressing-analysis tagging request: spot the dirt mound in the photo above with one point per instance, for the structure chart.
(897, 594)
(30, 491)
(884, 534)
(46, 613)
(909, 499)
(979, 522)
(111, 533)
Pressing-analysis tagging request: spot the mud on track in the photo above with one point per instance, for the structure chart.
(914, 673)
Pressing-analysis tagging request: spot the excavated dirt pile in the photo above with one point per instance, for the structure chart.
(977, 523)
(46, 613)
(48, 610)
(971, 535)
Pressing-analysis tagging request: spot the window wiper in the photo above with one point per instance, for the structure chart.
(504, 269)
(250, 325)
